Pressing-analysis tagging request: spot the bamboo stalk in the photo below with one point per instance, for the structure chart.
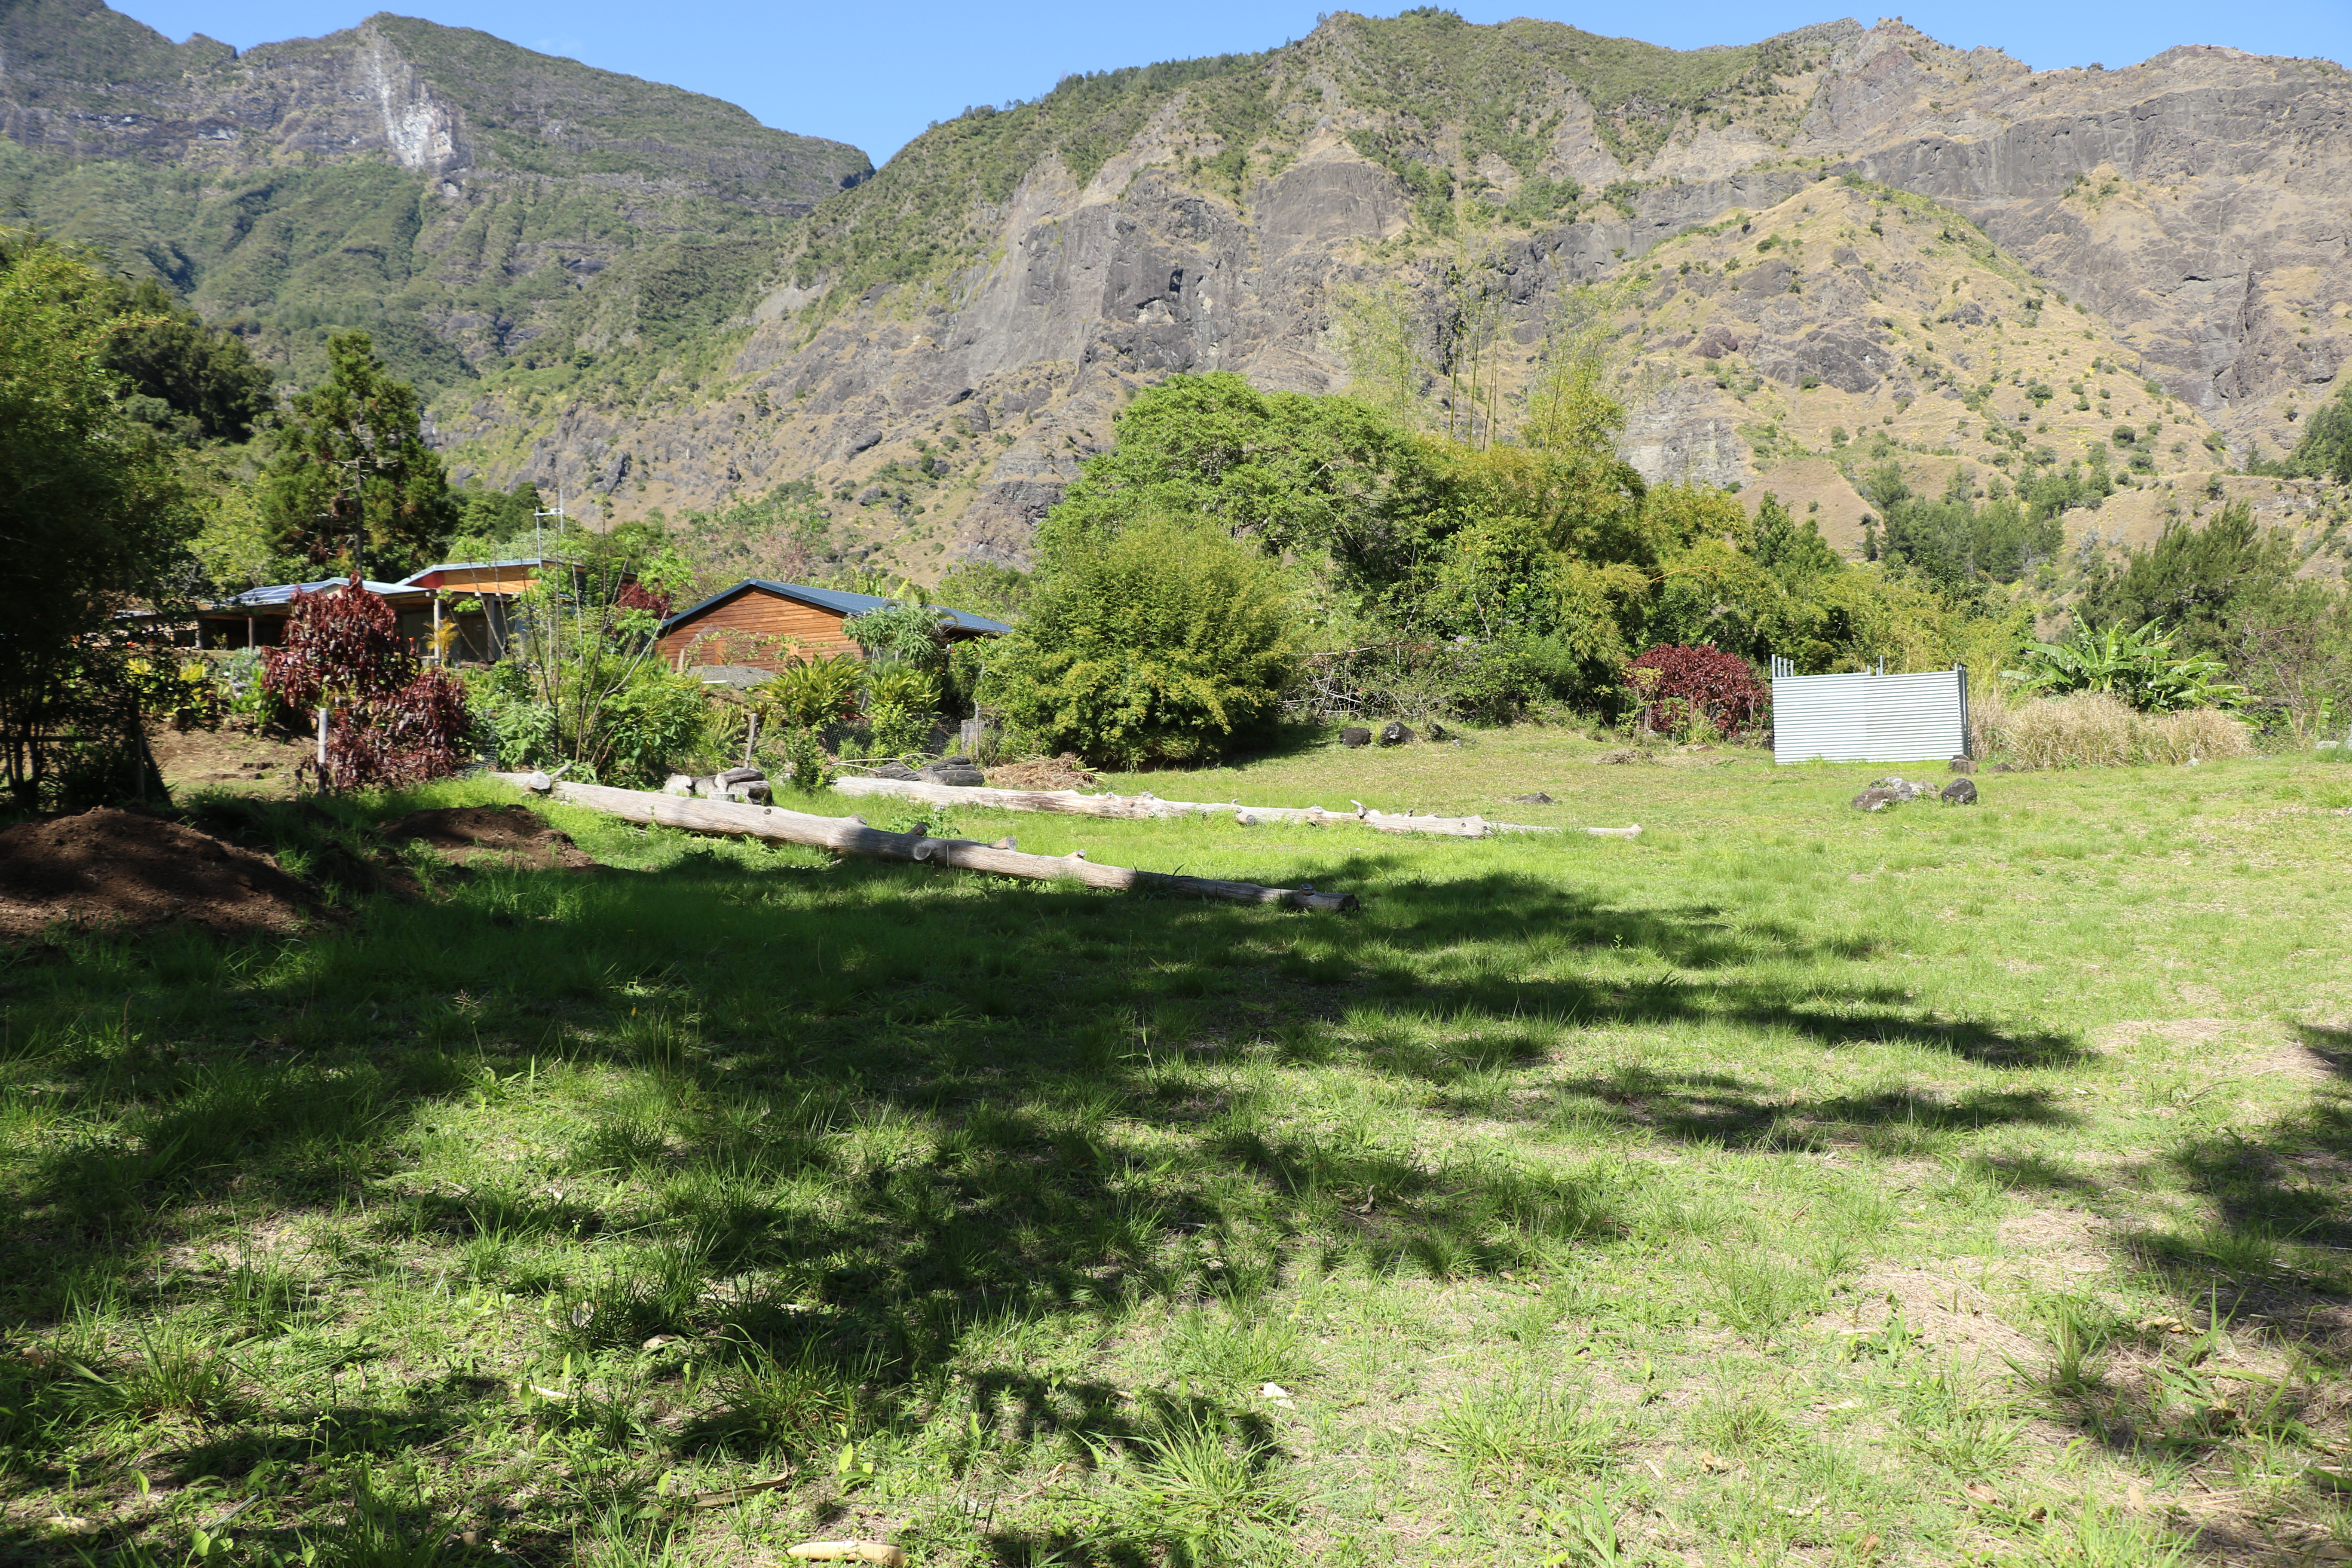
(1146, 806)
(851, 836)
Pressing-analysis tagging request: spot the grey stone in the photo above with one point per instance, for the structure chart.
(1355, 735)
(962, 778)
(1960, 792)
(1963, 765)
(899, 771)
(1394, 734)
(1539, 798)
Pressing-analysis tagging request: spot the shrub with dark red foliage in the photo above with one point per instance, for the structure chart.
(1671, 683)
(632, 597)
(391, 721)
(343, 646)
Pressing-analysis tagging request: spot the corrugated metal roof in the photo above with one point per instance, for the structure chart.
(282, 593)
(474, 566)
(835, 600)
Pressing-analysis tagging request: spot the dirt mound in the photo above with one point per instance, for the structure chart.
(122, 868)
(503, 834)
(1065, 771)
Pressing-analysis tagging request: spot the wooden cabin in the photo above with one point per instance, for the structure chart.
(760, 624)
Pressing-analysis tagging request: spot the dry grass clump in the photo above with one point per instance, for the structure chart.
(2098, 729)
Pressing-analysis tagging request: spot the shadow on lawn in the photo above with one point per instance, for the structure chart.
(1029, 1032)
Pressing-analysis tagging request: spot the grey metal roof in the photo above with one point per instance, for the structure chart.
(283, 593)
(835, 600)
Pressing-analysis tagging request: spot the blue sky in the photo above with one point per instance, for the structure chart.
(875, 75)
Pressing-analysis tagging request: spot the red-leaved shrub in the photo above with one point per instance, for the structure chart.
(390, 722)
(1671, 683)
(632, 597)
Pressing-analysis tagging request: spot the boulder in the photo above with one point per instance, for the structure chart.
(1355, 735)
(1963, 765)
(1394, 734)
(1539, 798)
(899, 771)
(1876, 800)
(1960, 792)
(962, 778)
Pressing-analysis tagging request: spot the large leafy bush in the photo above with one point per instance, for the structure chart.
(1169, 642)
(2138, 665)
(1680, 688)
(390, 722)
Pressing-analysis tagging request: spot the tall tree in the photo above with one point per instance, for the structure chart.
(2193, 580)
(350, 481)
(93, 517)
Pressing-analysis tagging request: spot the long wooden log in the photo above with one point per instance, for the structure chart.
(1146, 806)
(851, 836)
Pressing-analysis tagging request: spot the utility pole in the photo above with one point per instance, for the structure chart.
(537, 544)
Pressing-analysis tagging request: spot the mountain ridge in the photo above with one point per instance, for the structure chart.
(480, 187)
(2183, 202)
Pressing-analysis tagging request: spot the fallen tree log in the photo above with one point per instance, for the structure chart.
(851, 836)
(1146, 806)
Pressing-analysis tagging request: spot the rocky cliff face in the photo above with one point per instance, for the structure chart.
(464, 197)
(2175, 238)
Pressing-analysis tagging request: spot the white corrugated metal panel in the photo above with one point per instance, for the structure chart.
(1870, 718)
(1917, 718)
(1824, 716)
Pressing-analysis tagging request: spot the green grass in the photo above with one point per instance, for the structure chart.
(1788, 1184)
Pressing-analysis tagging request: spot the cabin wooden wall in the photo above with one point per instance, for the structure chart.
(763, 616)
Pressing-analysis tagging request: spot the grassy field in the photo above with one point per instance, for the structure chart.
(1789, 1186)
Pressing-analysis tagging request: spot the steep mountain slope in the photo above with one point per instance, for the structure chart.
(461, 195)
(941, 344)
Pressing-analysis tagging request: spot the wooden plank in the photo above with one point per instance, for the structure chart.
(851, 836)
(1145, 806)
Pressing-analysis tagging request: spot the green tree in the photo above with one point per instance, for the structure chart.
(1289, 471)
(200, 383)
(2192, 580)
(350, 481)
(94, 517)
(2326, 450)
(1170, 641)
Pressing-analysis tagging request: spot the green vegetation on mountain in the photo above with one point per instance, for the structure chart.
(582, 209)
(1421, 75)
(931, 205)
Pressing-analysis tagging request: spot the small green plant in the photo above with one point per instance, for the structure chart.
(1949, 1418)
(1509, 1434)
(1757, 1294)
(801, 753)
(1206, 1485)
(1223, 1345)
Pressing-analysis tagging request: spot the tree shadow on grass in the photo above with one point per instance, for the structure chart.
(801, 1022)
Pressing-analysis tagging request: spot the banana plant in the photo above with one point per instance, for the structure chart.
(2137, 664)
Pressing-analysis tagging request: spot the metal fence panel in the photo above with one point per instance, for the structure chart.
(1870, 718)
(1824, 716)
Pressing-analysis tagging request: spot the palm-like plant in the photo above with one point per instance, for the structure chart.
(2137, 665)
(809, 694)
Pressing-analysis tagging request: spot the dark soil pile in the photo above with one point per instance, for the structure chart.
(123, 869)
(1065, 771)
(502, 835)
